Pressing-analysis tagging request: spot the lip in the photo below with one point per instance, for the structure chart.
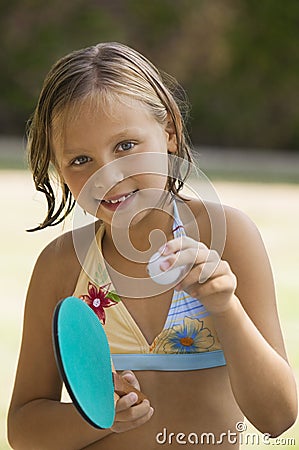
(114, 206)
(116, 197)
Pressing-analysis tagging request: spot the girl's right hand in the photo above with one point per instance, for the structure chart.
(127, 414)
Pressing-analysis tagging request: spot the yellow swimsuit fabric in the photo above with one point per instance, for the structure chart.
(188, 333)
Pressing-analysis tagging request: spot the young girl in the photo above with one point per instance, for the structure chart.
(207, 350)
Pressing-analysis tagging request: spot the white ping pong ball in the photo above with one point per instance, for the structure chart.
(168, 276)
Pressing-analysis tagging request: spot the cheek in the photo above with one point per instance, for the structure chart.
(159, 181)
(75, 183)
(151, 188)
(152, 180)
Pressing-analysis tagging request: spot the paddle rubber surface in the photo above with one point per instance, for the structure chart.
(83, 357)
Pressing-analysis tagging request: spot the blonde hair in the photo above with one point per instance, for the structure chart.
(104, 68)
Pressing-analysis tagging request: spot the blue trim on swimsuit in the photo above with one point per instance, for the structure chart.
(169, 362)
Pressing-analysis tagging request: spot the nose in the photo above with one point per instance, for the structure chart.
(108, 176)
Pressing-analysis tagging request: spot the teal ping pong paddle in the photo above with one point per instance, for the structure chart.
(83, 358)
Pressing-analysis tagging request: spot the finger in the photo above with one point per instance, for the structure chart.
(134, 412)
(126, 402)
(214, 268)
(223, 280)
(131, 378)
(201, 273)
(211, 268)
(190, 256)
(177, 244)
(223, 284)
(120, 427)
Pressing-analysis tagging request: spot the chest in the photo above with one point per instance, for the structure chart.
(150, 314)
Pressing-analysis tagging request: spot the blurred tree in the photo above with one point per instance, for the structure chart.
(254, 101)
(237, 59)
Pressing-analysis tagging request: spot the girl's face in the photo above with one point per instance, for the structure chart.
(115, 159)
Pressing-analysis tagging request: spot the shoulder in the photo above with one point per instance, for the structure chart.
(213, 218)
(59, 264)
(227, 230)
(243, 238)
(55, 267)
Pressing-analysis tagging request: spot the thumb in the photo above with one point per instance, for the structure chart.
(129, 376)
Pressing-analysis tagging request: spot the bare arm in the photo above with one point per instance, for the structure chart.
(261, 379)
(240, 296)
(37, 418)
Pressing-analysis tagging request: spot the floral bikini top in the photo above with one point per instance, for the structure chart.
(188, 340)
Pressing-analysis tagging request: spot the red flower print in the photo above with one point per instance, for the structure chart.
(100, 298)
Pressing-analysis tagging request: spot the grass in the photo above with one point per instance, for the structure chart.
(273, 207)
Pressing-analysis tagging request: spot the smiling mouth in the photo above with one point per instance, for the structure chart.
(120, 199)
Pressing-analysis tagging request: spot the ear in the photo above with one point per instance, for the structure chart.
(172, 143)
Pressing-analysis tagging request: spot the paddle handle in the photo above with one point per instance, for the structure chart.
(123, 387)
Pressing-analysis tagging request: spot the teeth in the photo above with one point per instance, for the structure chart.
(121, 199)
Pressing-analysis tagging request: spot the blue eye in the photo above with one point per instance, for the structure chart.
(125, 146)
(80, 160)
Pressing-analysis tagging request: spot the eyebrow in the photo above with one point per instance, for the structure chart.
(74, 151)
(116, 137)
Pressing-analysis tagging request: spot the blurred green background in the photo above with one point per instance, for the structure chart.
(237, 60)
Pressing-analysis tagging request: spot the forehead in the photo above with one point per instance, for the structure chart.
(99, 109)
(99, 117)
